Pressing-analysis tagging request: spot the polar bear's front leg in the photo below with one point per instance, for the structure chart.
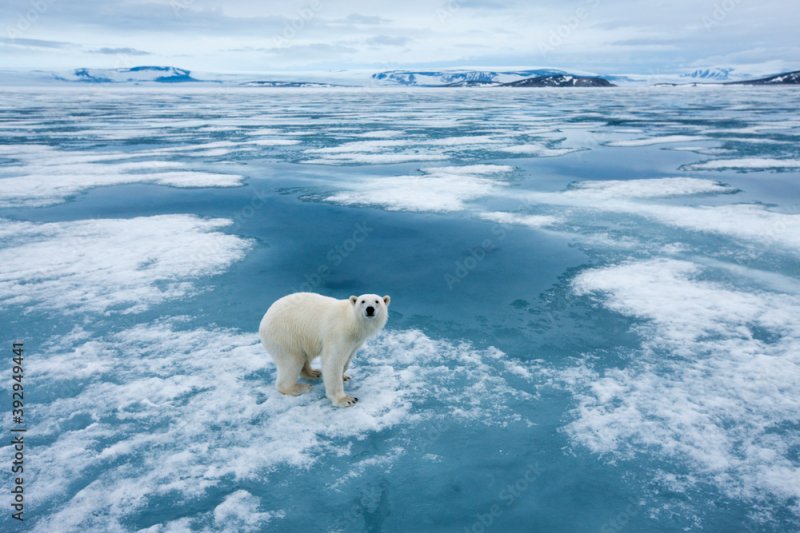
(332, 372)
(345, 377)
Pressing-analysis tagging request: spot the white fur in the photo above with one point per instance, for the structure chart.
(301, 326)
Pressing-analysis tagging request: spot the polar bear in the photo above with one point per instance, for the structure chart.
(301, 326)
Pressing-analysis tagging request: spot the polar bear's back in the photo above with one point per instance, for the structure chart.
(297, 323)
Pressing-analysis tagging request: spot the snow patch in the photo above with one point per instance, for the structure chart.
(153, 427)
(438, 189)
(747, 163)
(239, 512)
(664, 139)
(646, 188)
(105, 265)
(537, 150)
(373, 159)
(750, 222)
(532, 221)
(45, 176)
(716, 376)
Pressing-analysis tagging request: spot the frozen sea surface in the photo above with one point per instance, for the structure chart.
(595, 320)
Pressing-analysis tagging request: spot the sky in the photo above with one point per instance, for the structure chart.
(592, 36)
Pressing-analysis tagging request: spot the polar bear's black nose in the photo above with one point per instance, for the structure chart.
(370, 311)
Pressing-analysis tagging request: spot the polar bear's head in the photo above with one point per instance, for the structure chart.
(371, 308)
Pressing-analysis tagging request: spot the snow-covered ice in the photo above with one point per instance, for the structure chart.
(594, 306)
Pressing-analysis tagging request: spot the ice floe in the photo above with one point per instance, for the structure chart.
(646, 188)
(434, 189)
(147, 421)
(747, 163)
(532, 221)
(104, 265)
(663, 139)
(713, 382)
(751, 222)
(537, 150)
(45, 176)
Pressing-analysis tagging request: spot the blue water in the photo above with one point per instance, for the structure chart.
(580, 339)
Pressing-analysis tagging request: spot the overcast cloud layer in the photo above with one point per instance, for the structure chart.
(602, 36)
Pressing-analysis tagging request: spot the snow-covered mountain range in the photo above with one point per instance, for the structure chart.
(476, 77)
(711, 74)
(457, 78)
(279, 83)
(786, 78)
(142, 74)
(561, 80)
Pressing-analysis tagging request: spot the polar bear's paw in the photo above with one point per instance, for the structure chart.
(310, 373)
(346, 401)
(295, 390)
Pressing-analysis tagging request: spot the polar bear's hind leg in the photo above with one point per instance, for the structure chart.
(289, 367)
(295, 390)
(310, 373)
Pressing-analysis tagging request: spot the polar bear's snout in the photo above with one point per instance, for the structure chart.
(370, 305)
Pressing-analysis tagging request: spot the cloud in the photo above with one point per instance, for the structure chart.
(356, 18)
(34, 43)
(388, 40)
(645, 41)
(589, 35)
(173, 16)
(122, 51)
(311, 50)
(483, 4)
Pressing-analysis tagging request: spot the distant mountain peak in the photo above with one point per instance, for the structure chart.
(138, 74)
(285, 84)
(540, 77)
(561, 80)
(785, 78)
(716, 74)
(458, 78)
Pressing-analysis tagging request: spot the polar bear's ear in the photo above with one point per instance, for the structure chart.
(353, 299)
(387, 299)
